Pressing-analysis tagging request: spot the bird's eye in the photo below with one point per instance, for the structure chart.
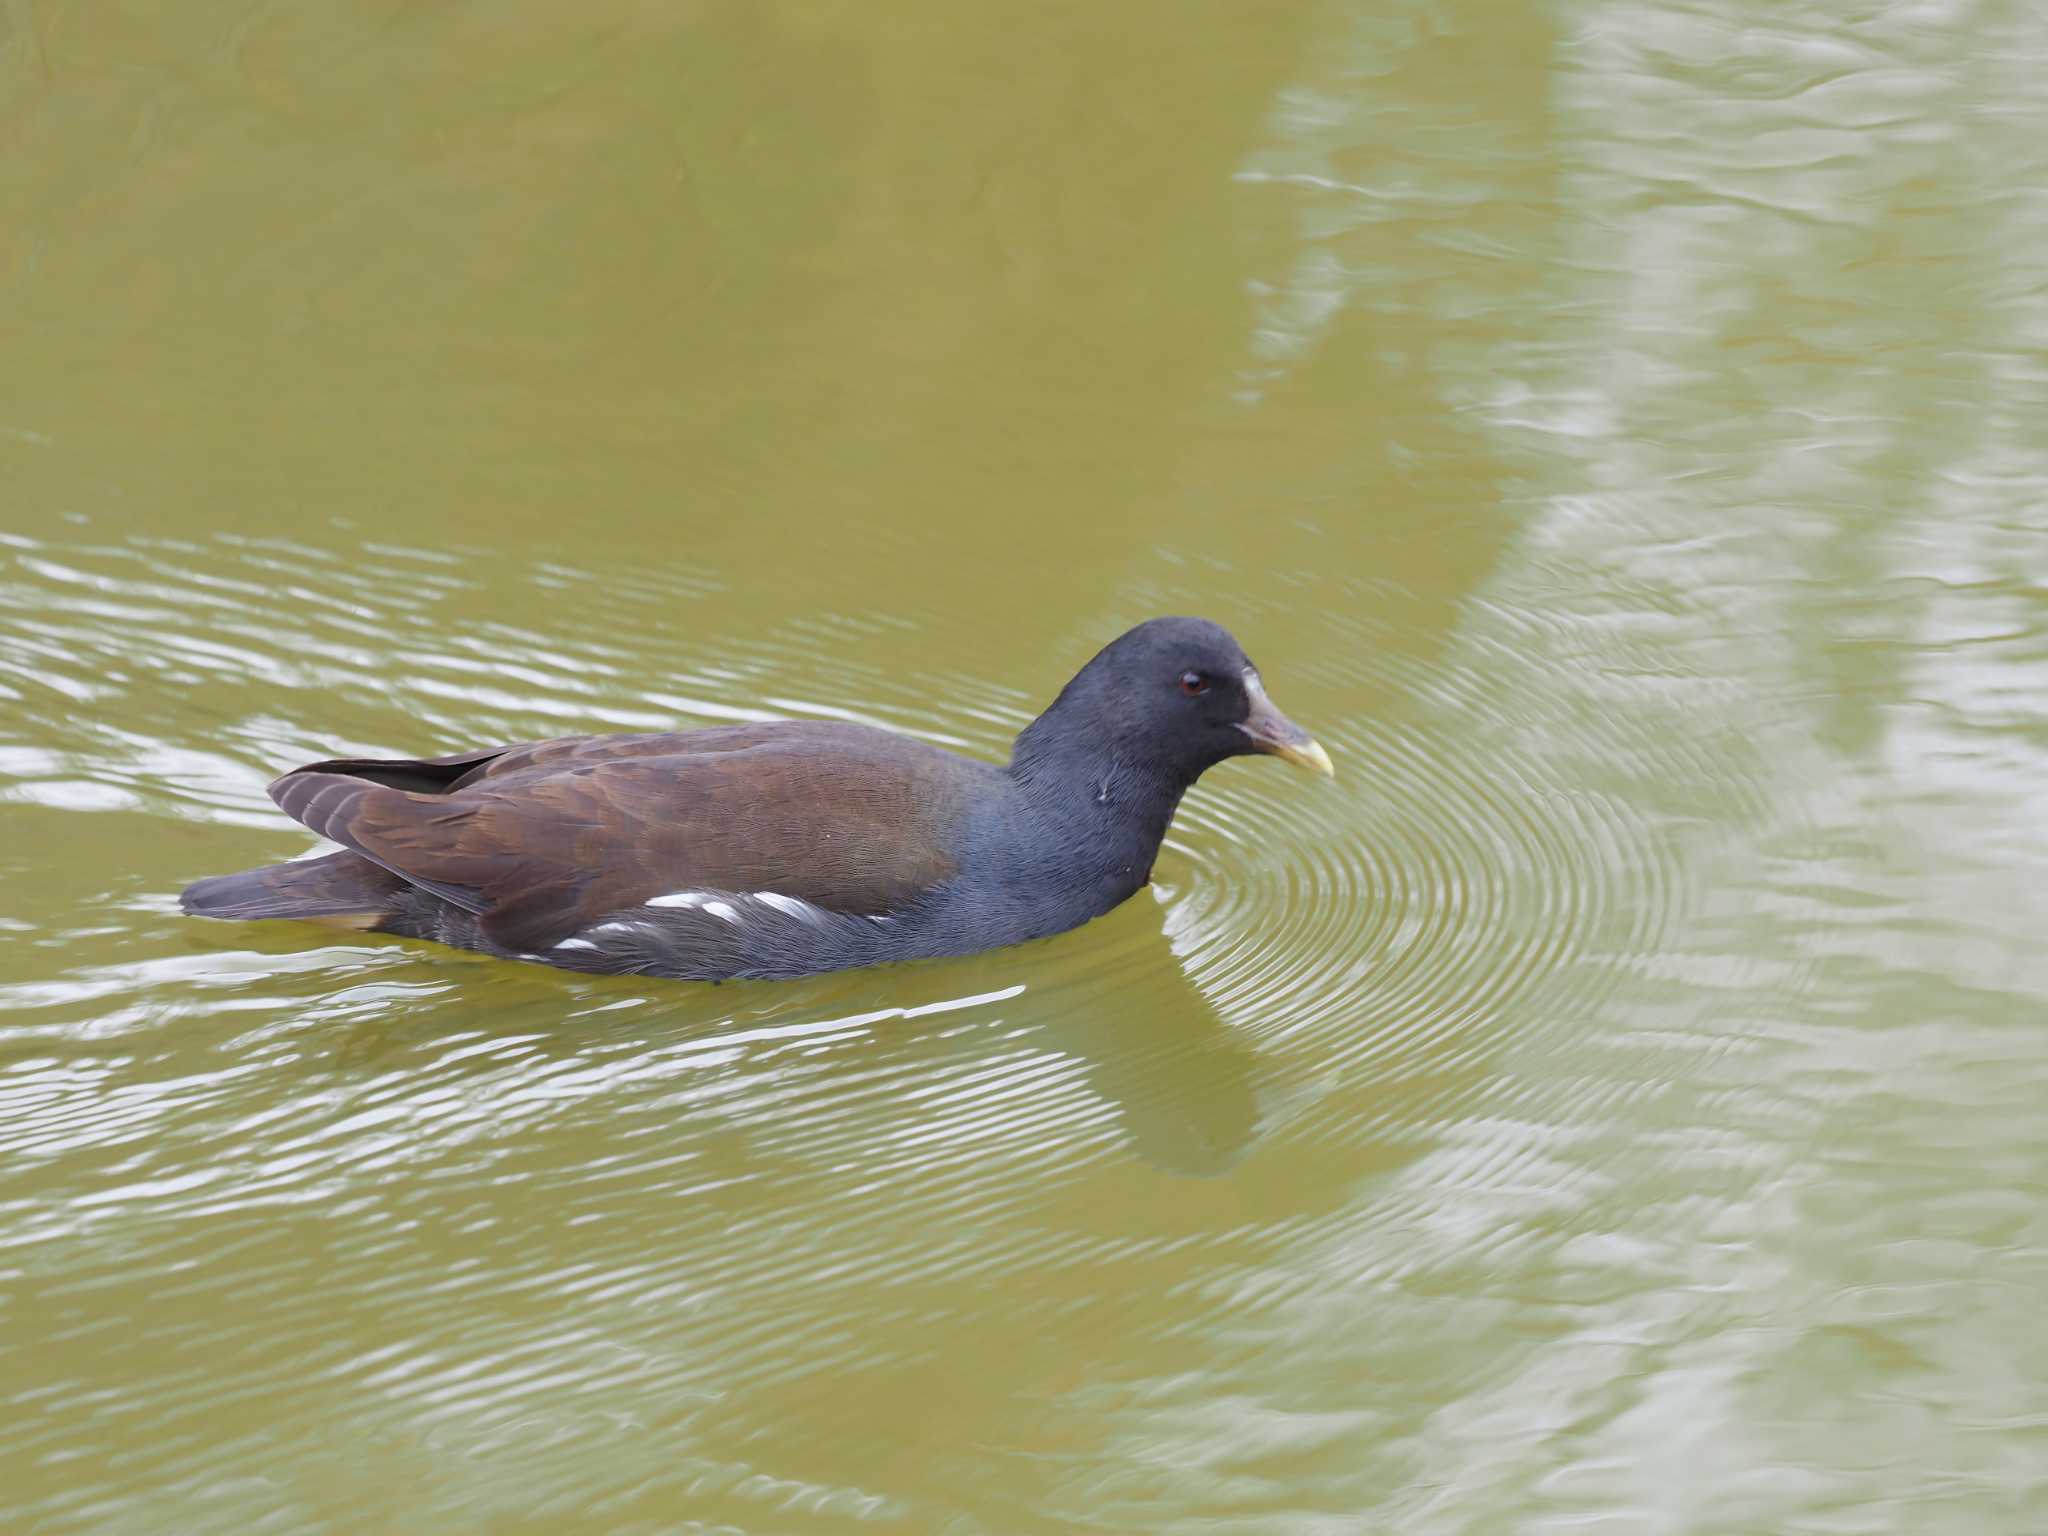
(1193, 684)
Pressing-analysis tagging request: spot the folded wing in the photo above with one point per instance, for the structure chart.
(543, 839)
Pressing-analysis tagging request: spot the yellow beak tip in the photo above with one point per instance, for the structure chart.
(1310, 754)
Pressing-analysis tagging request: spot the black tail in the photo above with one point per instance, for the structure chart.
(342, 887)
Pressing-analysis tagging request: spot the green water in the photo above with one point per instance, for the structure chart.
(1618, 431)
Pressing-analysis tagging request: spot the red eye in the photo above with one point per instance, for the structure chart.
(1193, 684)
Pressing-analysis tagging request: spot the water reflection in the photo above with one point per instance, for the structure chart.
(1184, 1083)
(1179, 1083)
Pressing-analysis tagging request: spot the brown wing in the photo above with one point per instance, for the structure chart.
(543, 839)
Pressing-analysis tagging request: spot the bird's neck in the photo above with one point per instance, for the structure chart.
(1107, 808)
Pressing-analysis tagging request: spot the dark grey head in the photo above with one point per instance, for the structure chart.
(1169, 698)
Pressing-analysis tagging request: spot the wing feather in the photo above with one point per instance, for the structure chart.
(544, 839)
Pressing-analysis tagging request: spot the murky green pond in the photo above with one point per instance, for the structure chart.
(1619, 431)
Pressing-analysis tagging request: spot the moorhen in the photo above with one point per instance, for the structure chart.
(780, 849)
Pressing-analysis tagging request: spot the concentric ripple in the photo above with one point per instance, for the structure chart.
(1460, 881)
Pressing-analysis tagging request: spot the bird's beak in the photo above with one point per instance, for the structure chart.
(1273, 732)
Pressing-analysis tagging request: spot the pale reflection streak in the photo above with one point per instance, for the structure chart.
(1637, 620)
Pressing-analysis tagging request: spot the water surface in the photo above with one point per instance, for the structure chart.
(1615, 430)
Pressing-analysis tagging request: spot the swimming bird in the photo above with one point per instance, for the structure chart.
(779, 849)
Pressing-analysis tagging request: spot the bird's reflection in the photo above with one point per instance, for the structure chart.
(1182, 1081)
(1115, 999)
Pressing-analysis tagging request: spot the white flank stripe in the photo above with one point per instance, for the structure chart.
(575, 944)
(681, 899)
(724, 909)
(789, 905)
